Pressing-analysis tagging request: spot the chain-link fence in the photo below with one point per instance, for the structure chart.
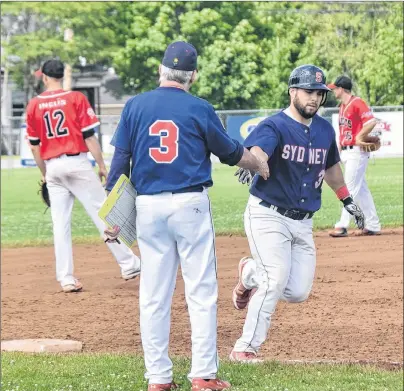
(11, 133)
(11, 128)
(325, 112)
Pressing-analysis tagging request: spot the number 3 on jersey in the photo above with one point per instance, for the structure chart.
(320, 179)
(168, 133)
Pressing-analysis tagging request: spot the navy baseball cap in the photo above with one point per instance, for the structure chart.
(52, 68)
(343, 82)
(180, 55)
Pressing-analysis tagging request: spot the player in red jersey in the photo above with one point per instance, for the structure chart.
(60, 127)
(356, 121)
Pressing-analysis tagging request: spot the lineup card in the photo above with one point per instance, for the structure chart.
(120, 209)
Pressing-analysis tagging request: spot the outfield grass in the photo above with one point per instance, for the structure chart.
(23, 221)
(85, 372)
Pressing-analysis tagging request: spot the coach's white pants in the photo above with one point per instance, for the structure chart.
(356, 162)
(283, 267)
(173, 230)
(69, 177)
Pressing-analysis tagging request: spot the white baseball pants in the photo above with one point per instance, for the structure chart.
(283, 267)
(173, 230)
(70, 177)
(356, 162)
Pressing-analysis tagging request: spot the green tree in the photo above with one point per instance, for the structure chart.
(234, 46)
(364, 42)
(36, 32)
(155, 25)
(31, 36)
(246, 49)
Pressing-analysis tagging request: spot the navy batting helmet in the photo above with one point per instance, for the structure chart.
(308, 77)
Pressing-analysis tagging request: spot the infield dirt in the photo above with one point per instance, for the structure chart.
(355, 311)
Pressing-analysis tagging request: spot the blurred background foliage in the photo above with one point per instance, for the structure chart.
(246, 49)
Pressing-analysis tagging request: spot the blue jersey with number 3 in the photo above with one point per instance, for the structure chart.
(170, 135)
(299, 156)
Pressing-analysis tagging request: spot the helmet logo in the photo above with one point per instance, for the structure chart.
(319, 77)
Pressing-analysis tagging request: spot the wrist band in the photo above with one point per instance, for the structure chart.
(342, 192)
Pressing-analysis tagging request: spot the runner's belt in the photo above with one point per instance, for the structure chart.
(294, 214)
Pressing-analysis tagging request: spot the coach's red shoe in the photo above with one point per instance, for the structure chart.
(209, 385)
(162, 387)
(241, 295)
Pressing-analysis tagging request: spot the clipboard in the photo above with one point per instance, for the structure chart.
(120, 209)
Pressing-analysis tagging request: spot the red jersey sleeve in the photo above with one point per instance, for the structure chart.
(86, 116)
(33, 128)
(363, 111)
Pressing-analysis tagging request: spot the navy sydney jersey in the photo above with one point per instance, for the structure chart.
(170, 135)
(299, 156)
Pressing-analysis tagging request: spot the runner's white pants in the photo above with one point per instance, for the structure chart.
(173, 230)
(356, 162)
(283, 267)
(70, 177)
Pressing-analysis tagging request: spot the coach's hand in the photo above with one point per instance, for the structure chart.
(355, 211)
(111, 235)
(245, 176)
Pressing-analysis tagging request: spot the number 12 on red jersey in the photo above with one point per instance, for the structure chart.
(59, 130)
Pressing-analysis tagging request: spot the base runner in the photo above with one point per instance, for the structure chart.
(301, 151)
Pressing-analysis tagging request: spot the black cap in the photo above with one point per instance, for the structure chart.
(180, 55)
(342, 81)
(53, 68)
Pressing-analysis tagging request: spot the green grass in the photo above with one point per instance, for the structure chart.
(24, 223)
(106, 372)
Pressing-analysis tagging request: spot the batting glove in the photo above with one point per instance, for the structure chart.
(355, 211)
(245, 176)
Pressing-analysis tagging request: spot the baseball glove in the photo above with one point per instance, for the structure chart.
(370, 144)
(44, 192)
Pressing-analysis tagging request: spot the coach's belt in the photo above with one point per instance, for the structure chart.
(294, 214)
(192, 189)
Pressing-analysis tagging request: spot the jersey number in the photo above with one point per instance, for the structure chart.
(59, 130)
(168, 133)
(320, 179)
(348, 135)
